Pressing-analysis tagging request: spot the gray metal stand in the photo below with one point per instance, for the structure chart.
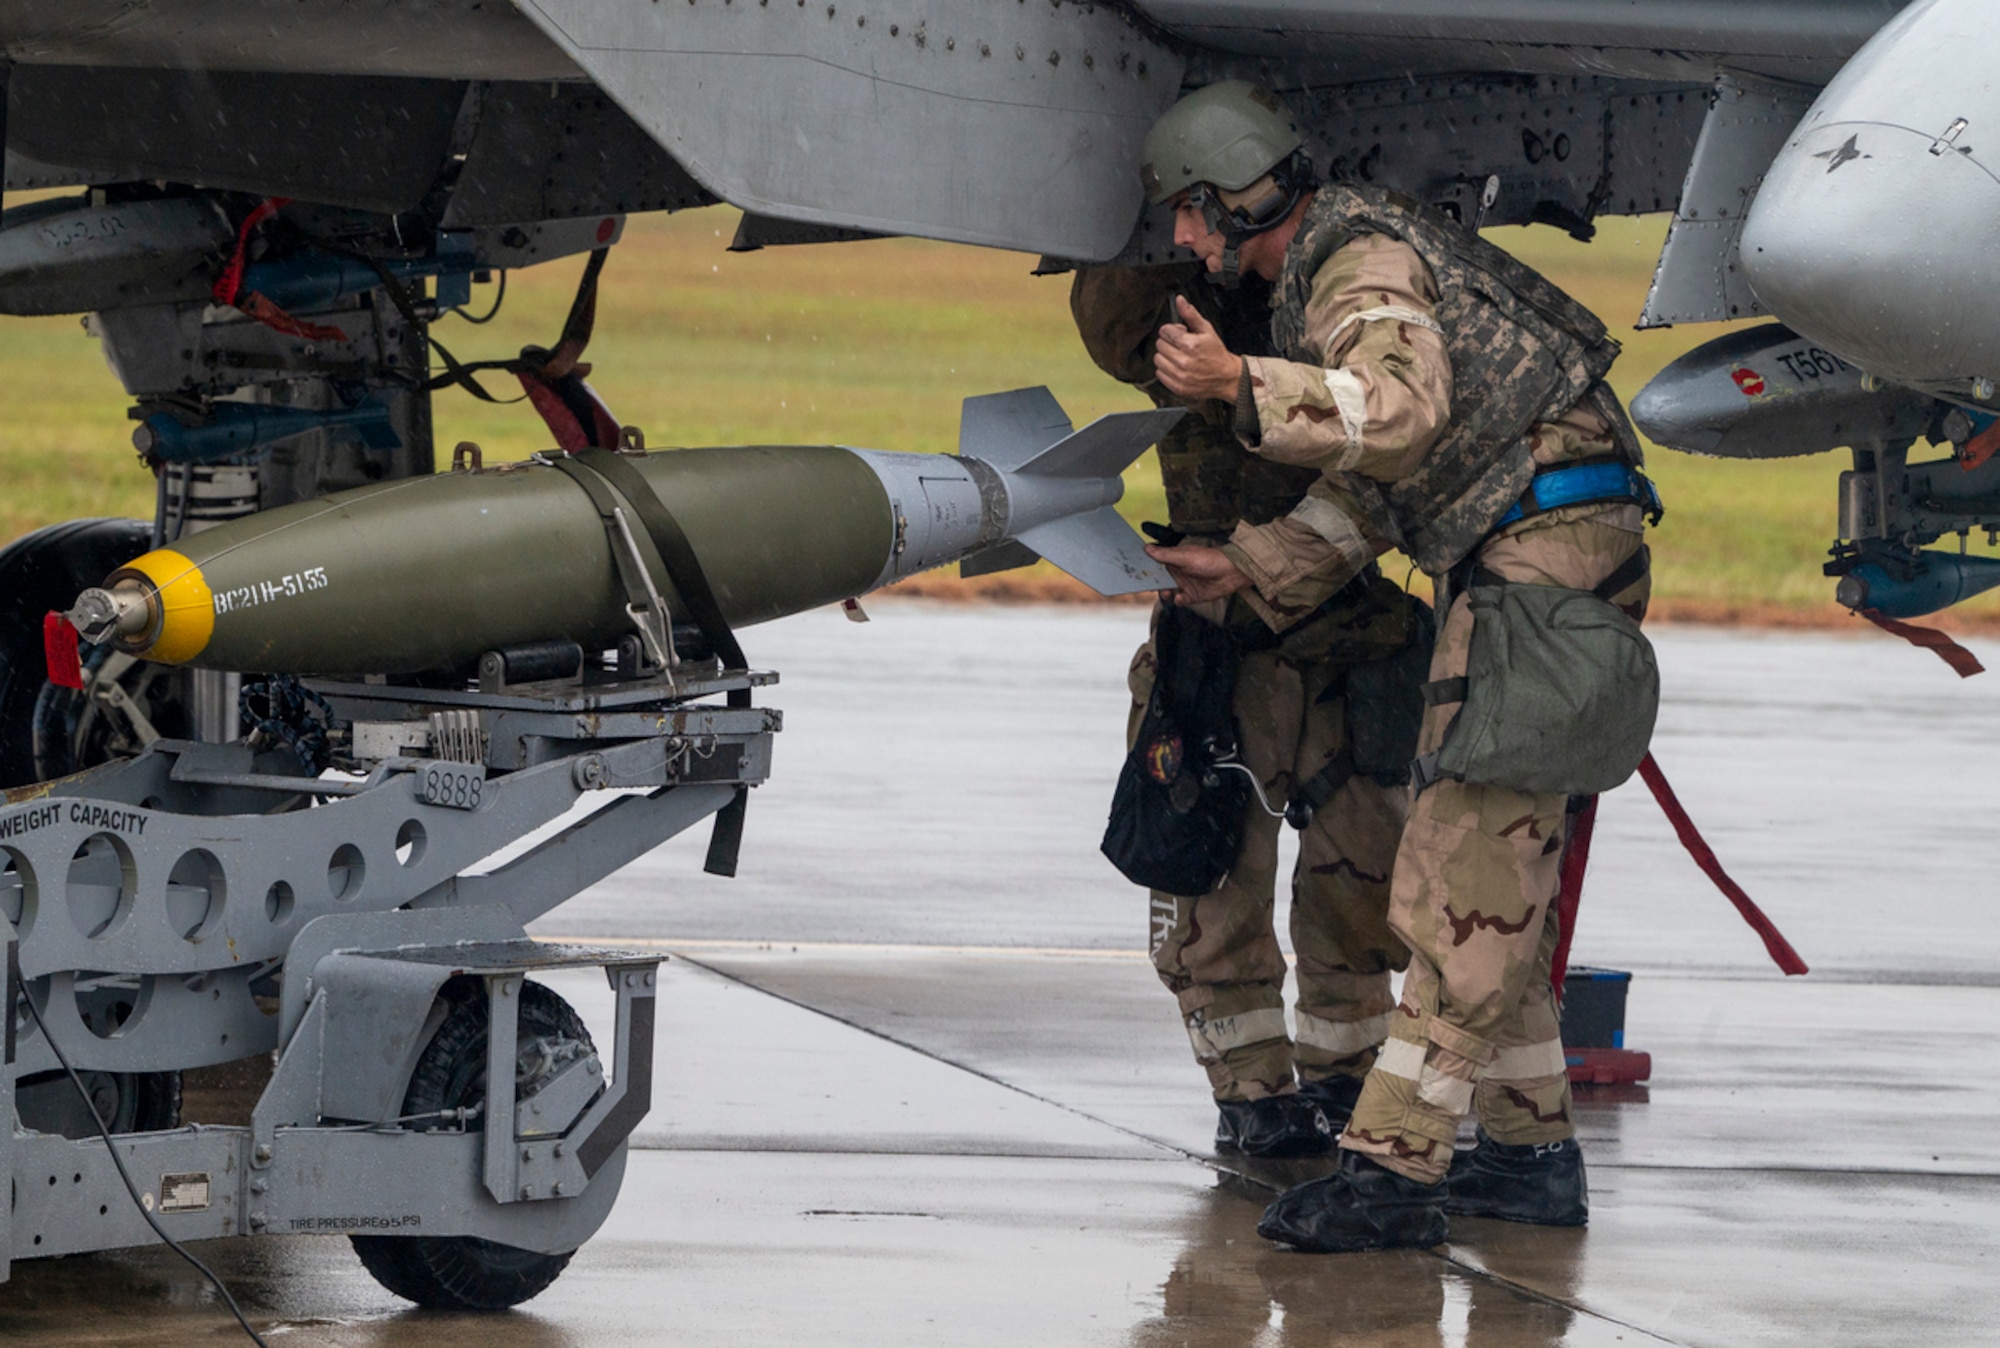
(202, 903)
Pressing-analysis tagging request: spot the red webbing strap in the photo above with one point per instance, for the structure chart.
(1576, 856)
(570, 433)
(271, 316)
(228, 287)
(1781, 950)
(1962, 661)
(1980, 448)
(230, 283)
(578, 325)
(576, 416)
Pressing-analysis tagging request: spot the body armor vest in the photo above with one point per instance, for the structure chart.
(1212, 482)
(1521, 352)
(1210, 479)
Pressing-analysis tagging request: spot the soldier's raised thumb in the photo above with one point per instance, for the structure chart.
(1192, 316)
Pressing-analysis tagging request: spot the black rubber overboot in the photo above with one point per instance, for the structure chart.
(1543, 1184)
(1360, 1206)
(1335, 1097)
(1277, 1125)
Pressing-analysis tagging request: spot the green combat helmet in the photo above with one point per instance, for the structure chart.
(1234, 148)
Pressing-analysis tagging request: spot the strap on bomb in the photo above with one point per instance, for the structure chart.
(601, 473)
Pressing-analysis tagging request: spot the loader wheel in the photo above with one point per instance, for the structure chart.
(47, 731)
(128, 1102)
(465, 1272)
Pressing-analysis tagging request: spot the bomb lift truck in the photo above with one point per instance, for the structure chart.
(185, 886)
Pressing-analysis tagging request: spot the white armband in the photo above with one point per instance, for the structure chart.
(1331, 523)
(1400, 313)
(1352, 402)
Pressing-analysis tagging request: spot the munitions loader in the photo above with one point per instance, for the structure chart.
(201, 903)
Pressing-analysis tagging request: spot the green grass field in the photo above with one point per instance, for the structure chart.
(875, 344)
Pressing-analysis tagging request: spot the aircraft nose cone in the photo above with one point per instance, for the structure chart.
(1873, 232)
(1865, 241)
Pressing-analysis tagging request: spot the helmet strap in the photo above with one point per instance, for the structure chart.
(1252, 215)
(1221, 220)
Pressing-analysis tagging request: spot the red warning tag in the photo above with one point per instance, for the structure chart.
(1979, 448)
(1963, 662)
(59, 649)
(254, 303)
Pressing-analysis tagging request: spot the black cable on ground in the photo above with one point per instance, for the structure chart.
(133, 1189)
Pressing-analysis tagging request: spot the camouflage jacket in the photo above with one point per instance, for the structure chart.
(1211, 480)
(1427, 375)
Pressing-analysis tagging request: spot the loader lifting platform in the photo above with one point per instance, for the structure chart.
(202, 903)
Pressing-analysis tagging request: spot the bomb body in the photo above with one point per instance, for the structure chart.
(428, 573)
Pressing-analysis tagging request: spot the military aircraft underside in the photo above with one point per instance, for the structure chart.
(1788, 137)
(263, 205)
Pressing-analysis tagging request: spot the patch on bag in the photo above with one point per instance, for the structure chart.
(1163, 759)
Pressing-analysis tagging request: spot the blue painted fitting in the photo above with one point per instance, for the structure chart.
(1942, 579)
(237, 429)
(310, 281)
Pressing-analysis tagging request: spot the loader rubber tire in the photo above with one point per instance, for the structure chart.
(466, 1272)
(133, 1102)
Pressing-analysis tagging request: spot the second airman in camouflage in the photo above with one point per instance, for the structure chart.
(1277, 1093)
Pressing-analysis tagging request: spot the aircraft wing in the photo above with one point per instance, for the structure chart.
(1009, 125)
(1353, 41)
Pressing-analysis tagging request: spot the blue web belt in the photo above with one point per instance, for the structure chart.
(1586, 484)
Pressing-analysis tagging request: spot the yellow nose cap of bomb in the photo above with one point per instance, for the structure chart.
(186, 606)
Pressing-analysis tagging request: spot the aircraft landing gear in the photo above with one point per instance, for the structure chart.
(48, 732)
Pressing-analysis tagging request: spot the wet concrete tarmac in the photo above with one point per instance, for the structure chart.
(917, 1085)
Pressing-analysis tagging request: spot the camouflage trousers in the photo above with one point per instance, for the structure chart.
(1476, 880)
(1218, 952)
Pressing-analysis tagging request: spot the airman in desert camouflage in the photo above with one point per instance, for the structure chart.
(1443, 391)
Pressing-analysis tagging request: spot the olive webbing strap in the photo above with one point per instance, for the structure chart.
(691, 582)
(1627, 574)
(683, 567)
(1316, 790)
(1444, 692)
(629, 566)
